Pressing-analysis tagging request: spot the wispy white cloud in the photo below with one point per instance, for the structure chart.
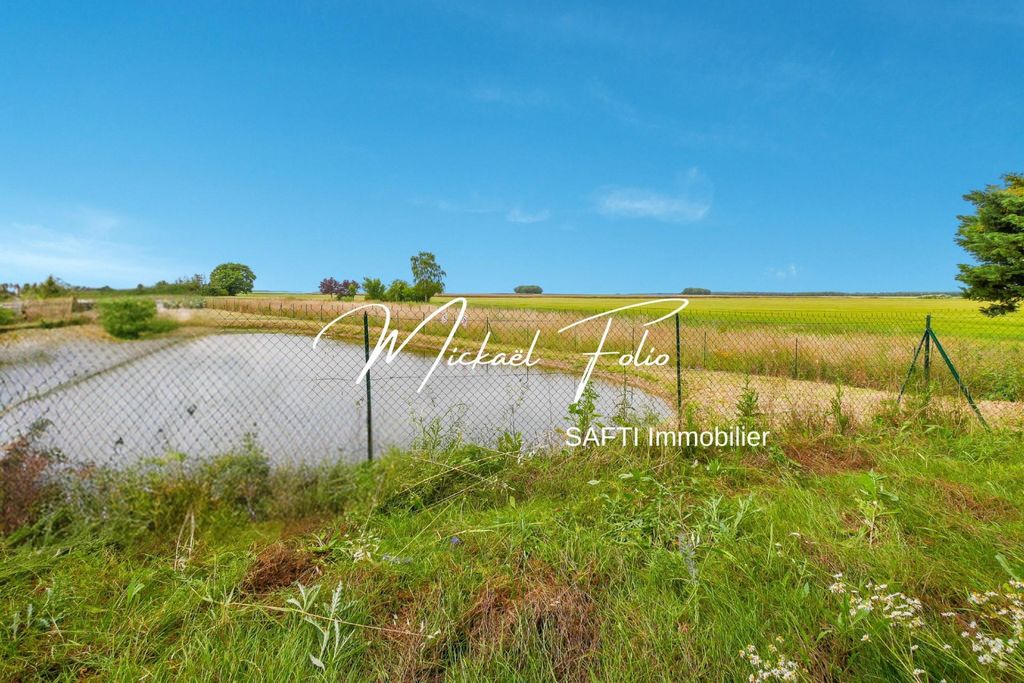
(689, 204)
(85, 251)
(517, 215)
(639, 203)
(785, 273)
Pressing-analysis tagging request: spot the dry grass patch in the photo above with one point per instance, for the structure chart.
(278, 566)
(962, 499)
(513, 619)
(823, 458)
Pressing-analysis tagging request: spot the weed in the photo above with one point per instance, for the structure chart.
(326, 623)
(839, 418)
(748, 409)
(25, 465)
(583, 413)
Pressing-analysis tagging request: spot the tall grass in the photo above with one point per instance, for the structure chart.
(885, 553)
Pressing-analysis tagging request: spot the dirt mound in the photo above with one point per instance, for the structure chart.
(276, 567)
(514, 619)
(511, 621)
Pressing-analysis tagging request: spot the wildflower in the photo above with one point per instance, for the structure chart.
(779, 668)
(865, 638)
(898, 609)
(999, 608)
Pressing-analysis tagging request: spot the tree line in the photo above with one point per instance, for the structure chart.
(427, 282)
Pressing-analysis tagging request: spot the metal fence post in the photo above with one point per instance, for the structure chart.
(679, 380)
(796, 356)
(927, 349)
(369, 394)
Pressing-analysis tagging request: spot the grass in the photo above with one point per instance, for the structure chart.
(457, 562)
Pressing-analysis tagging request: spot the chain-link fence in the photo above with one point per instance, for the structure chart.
(238, 369)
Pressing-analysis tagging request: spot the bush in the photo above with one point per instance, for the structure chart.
(399, 290)
(373, 288)
(127, 318)
(528, 289)
(24, 477)
(6, 316)
(50, 288)
(240, 478)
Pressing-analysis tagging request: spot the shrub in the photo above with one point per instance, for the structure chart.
(24, 466)
(373, 288)
(399, 290)
(127, 318)
(50, 288)
(6, 316)
(240, 478)
(528, 289)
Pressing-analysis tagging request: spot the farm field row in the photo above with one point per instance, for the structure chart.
(869, 305)
(831, 314)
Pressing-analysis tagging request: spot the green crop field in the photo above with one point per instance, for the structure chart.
(853, 305)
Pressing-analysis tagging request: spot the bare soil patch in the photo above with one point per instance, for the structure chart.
(278, 566)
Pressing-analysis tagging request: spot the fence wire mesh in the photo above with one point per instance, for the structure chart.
(238, 369)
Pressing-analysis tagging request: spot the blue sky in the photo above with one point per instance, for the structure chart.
(584, 147)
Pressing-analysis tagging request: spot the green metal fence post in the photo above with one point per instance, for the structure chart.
(927, 350)
(679, 379)
(956, 376)
(369, 394)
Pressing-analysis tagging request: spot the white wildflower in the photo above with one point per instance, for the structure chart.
(779, 668)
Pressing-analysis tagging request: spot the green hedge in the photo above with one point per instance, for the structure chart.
(127, 318)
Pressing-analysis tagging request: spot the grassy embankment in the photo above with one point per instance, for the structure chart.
(459, 563)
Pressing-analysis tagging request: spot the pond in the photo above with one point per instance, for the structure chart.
(111, 403)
